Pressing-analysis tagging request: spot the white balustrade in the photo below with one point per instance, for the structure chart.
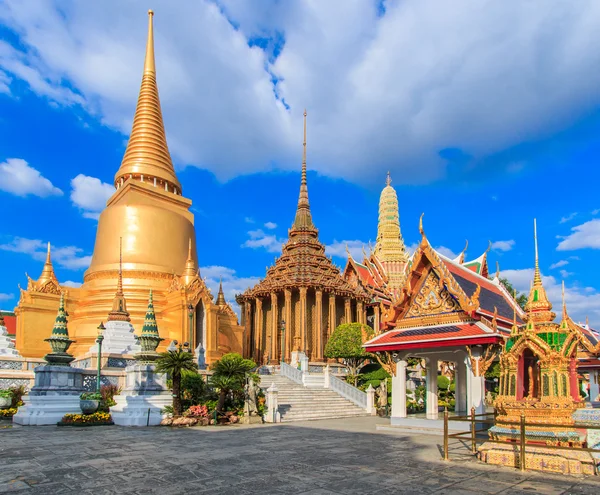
(348, 391)
(292, 373)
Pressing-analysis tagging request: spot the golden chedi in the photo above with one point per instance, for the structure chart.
(153, 219)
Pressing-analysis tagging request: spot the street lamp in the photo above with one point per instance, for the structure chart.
(99, 340)
(191, 317)
(282, 341)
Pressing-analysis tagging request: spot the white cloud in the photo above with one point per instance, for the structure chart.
(581, 301)
(586, 235)
(260, 239)
(595, 212)
(568, 218)
(17, 177)
(447, 252)
(503, 245)
(5, 80)
(69, 257)
(249, 220)
(6, 297)
(558, 264)
(565, 273)
(232, 284)
(270, 225)
(70, 283)
(90, 195)
(338, 249)
(424, 71)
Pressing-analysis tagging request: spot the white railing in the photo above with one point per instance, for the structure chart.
(347, 391)
(290, 372)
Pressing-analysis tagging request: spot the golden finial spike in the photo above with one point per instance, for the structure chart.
(190, 248)
(149, 62)
(120, 283)
(388, 180)
(48, 270)
(537, 277)
(515, 307)
(564, 302)
(303, 219)
(421, 230)
(48, 255)
(587, 321)
(497, 270)
(489, 247)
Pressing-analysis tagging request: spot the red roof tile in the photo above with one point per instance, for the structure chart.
(11, 324)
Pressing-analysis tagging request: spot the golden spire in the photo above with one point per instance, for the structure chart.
(147, 153)
(48, 270)
(303, 220)
(119, 309)
(538, 307)
(191, 270)
(221, 296)
(389, 246)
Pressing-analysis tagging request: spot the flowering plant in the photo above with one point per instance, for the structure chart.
(87, 419)
(8, 413)
(197, 412)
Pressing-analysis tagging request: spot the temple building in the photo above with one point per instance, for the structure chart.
(149, 213)
(446, 312)
(304, 289)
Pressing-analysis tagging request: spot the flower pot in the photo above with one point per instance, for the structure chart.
(5, 402)
(89, 406)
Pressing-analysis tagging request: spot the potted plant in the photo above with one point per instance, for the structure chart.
(89, 402)
(6, 397)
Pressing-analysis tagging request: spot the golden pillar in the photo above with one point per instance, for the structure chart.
(303, 322)
(247, 329)
(288, 324)
(376, 322)
(347, 310)
(318, 352)
(332, 322)
(359, 312)
(274, 326)
(258, 326)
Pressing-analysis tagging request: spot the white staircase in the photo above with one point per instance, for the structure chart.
(299, 403)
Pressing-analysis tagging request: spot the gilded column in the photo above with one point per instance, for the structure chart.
(359, 312)
(377, 320)
(259, 330)
(332, 321)
(274, 327)
(248, 329)
(318, 352)
(303, 322)
(288, 324)
(347, 310)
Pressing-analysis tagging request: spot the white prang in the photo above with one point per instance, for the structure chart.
(119, 338)
(7, 346)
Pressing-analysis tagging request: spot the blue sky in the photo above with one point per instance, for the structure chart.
(486, 118)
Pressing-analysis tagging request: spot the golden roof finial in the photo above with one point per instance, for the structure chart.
(497, 270)
(48, 271)
(191, 270)
(119, 309)
(488, 248)
(388, 179)
(421, 230)
(221, 296)
(147, 152)
(538, 307)
(537, 277)
(389, 245)
(303, 220)
(564, 302)
(587, 321)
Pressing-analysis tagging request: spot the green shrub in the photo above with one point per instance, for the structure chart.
(193, 388)
(6, 394)
(443, 382)
(90, 396)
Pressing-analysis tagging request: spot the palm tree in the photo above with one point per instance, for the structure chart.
(174, 363)
(229, 374)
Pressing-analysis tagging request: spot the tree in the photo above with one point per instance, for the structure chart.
(346, 344)
(229, 374)
(174, 363)
(520, 297)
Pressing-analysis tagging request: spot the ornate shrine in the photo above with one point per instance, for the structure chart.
(304, 288)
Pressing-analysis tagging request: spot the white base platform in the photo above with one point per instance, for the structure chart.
(119, 338)
(41, 410)
(140, 410)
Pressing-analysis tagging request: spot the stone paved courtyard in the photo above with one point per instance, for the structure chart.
(311, 458)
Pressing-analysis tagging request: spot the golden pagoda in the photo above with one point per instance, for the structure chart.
(153, 219)
(303, 288)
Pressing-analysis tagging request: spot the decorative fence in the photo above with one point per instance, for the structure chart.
(292, 373)
(347, 391)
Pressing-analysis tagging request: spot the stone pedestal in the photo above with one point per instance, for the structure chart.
(272, 414)
(119, 338)
(55, 393)
(143, 399)
(7, 346)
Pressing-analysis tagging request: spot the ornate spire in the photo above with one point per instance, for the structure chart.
(48, 271)
(303, 220)
(538, 307)
(221, 296)
(191, 270)
(147, 153)
(119, 309)
(389, 246)
(149, 338)
(59, 339)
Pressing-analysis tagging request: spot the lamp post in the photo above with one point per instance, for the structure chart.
(99, 340)
(282, 341)
(191, 317)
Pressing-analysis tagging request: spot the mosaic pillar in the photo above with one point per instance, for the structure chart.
(258, 325)
(347, 310)
(303, 322)
(377, 322)
(359, 312)
(248, 329)
(318, 352)
(274, 328)
(332, 322)
(288, 324)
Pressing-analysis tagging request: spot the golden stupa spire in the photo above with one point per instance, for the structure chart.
(389, 246)
(221, 296)
(191, 270)
(538, 307)
(303, 219)
(147, 155)
(48, 271)
(119, 308)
